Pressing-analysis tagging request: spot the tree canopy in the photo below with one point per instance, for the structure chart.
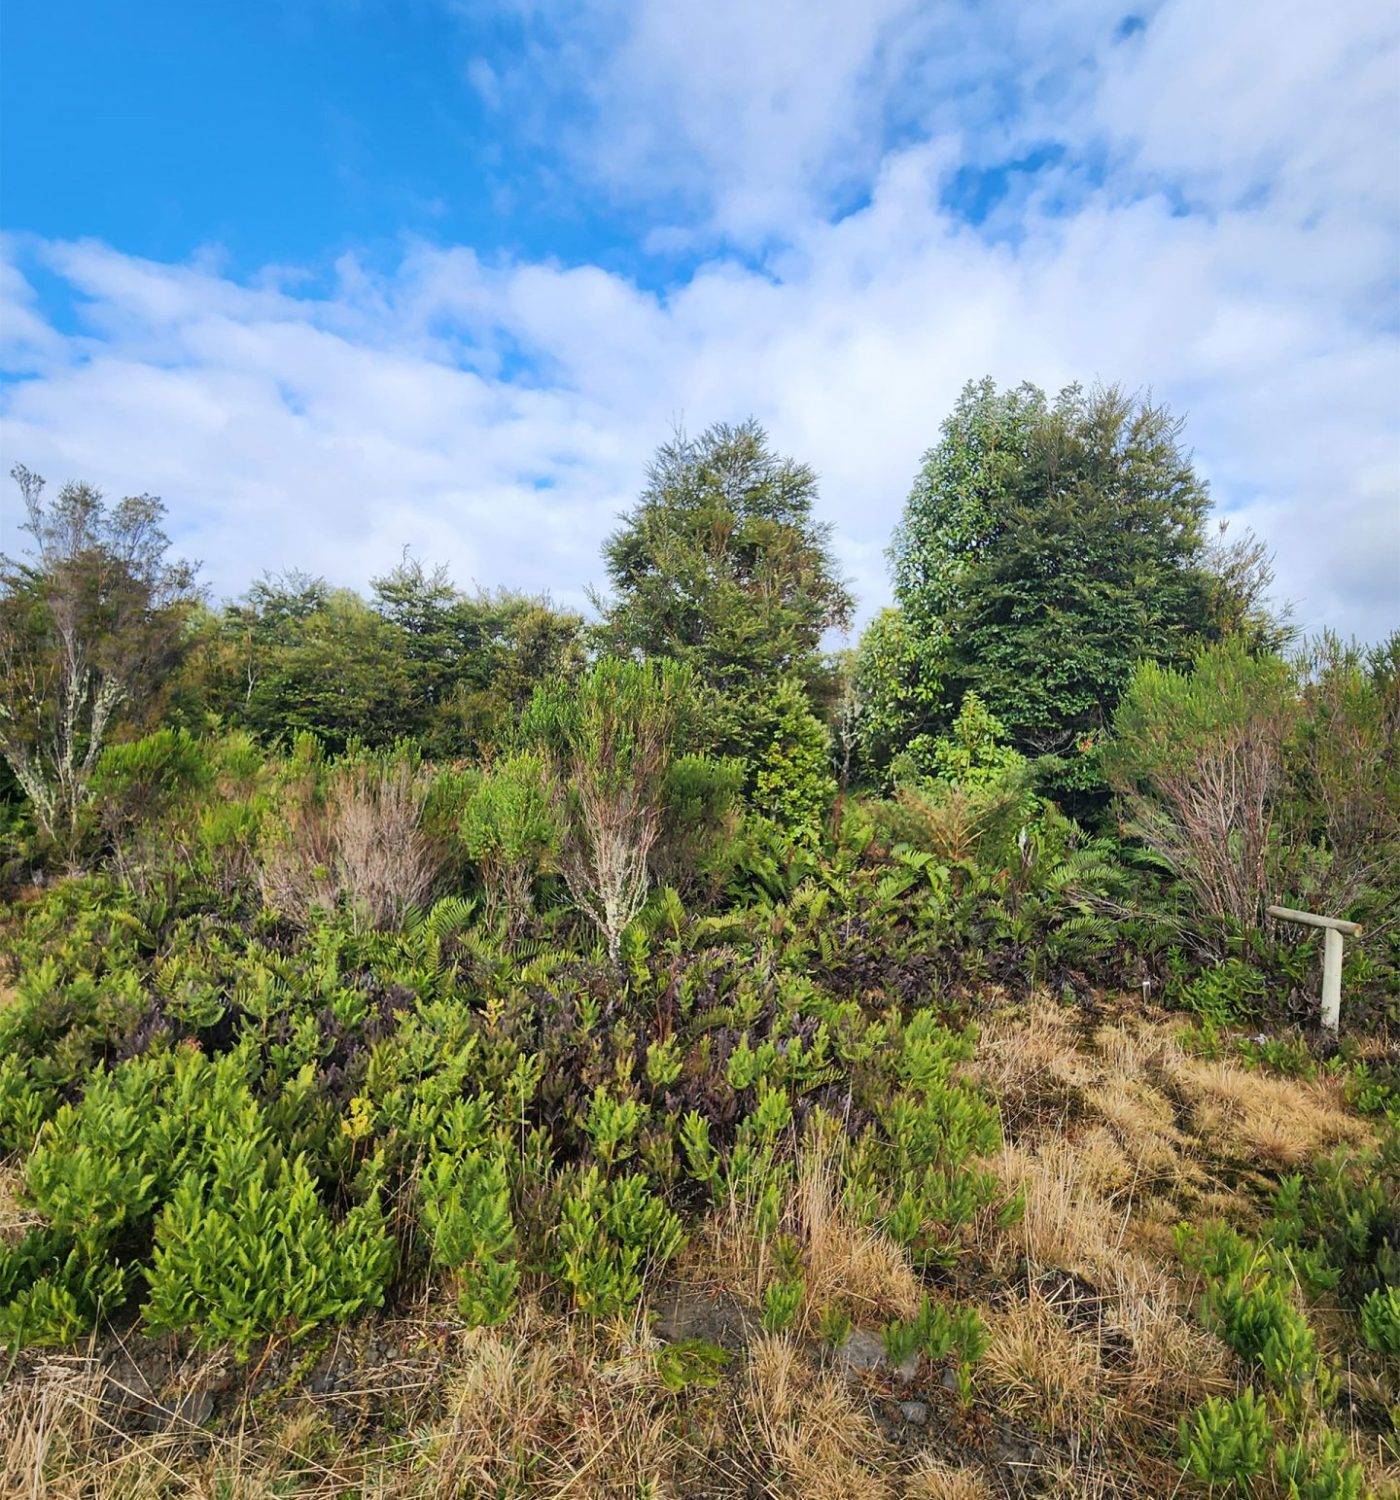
(90, 625)
(1046, 548)
(419, 659)
(722, 566)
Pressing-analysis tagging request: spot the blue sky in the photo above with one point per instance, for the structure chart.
(336, 277)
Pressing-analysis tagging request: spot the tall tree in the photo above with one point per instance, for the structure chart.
(1046, 548)
(90, 624)
(721, 565)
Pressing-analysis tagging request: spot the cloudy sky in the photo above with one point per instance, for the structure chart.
(336, 277)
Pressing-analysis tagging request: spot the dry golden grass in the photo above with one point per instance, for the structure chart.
(1253, 1116)
(858, 1265)
(934, 1480)
(1042, 1372)
(1068, 1222)
(538, 1413)
(1032, 1064)
(15, 1218)
(1174, 1362)
(806, 1430)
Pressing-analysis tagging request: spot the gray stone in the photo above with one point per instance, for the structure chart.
(915, 1412)
(862, 1350)
(194, 1407)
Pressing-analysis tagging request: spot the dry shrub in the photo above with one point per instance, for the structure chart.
(804, 1431)
(362, 841)
(1199, 761)
(296, 868)
(387, 860)
(955, 821)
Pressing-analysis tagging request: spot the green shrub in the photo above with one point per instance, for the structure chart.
(1224, 993)
(611, 1233)
(466, 1207)
(782, 1300)
(612, 1125)
(136, 782)
(1257, 1318)
(793, 781)
(246, 1249)
(1341, 1221)
(1380, 1321)
(1318, 1470)
(698, 843)
(1226, 1442)
(510, 828)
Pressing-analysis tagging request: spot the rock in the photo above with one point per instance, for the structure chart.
(685, 1314)
(194, 1407)
(915, 1412)
(862, 1350)
(949, 1379)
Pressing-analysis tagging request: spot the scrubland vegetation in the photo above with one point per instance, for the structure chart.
(449, 1047)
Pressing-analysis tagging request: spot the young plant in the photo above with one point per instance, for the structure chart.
(610, 1235)
(248, 1250)
(1226, 1443)
(466, 1207)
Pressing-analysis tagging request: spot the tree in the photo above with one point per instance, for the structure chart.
(1047, 548)
(721, 566)
(421, 661)
(90, 625)
(896, 693)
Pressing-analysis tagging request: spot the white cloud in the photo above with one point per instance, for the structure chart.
(499, 415)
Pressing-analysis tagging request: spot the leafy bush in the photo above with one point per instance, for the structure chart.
(1250, 1301)
(135, 783)
(611, 1234)
(1341, 1221)
(1318, 1470)
(246, 1249)
(466, 1207)
(1227, 1442)
(793, 782)
(1380, 1321)
(1222, 993)
(510, 828)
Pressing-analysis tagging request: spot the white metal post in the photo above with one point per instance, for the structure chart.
(1332, 930)
(1331, 978)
